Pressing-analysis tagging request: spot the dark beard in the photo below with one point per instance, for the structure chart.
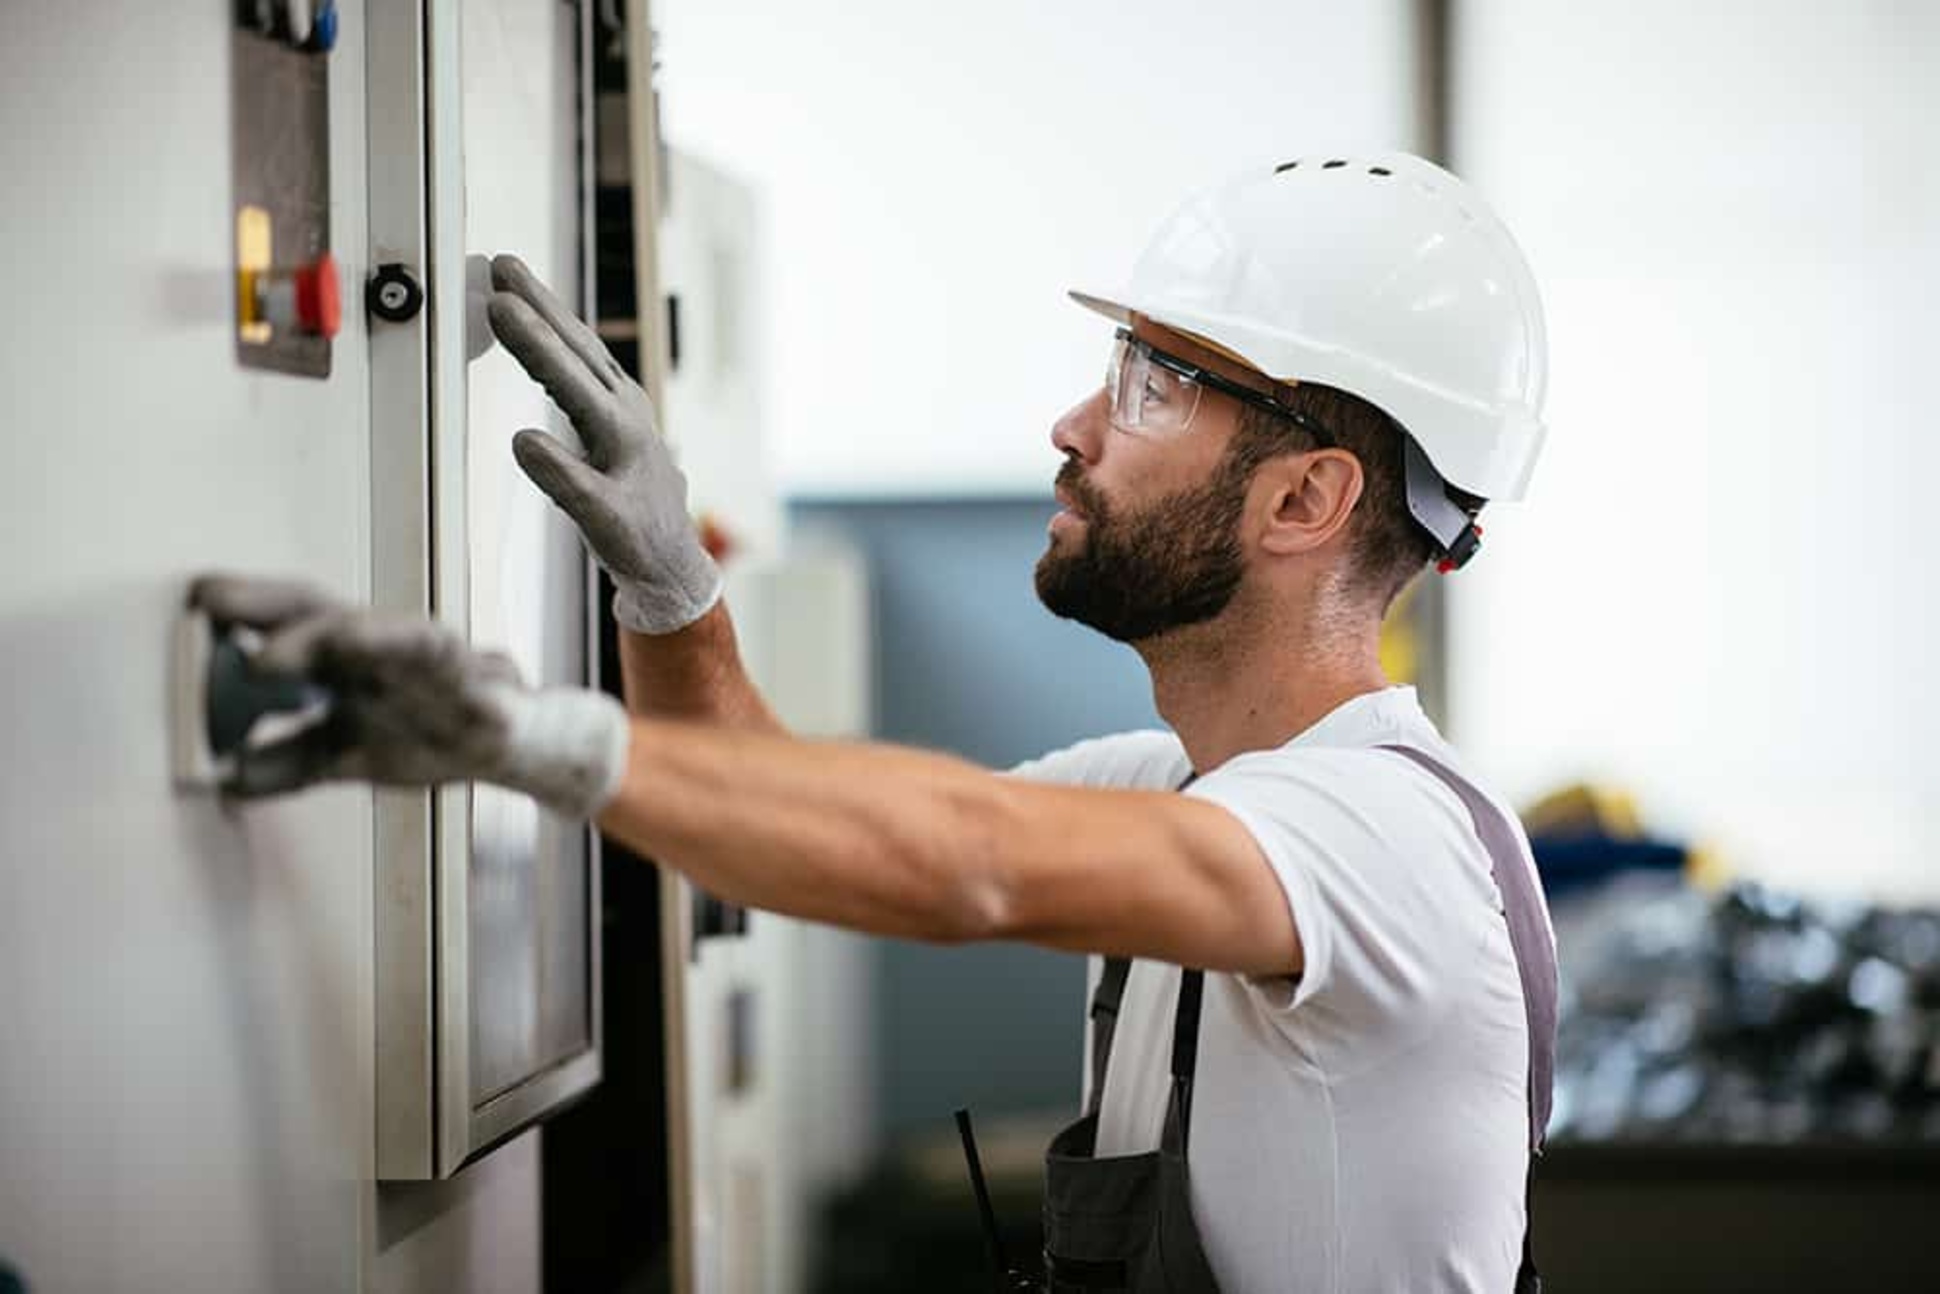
(1133, 576)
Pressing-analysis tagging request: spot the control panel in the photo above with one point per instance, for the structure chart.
(289, 290)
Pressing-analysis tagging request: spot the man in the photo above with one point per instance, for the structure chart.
(1323, 371)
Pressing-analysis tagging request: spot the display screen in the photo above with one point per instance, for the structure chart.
(530, 890)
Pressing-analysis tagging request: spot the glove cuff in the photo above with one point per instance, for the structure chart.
(566, 747)
(665, 606)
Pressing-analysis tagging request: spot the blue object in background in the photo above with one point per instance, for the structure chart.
(967, 660)
(1569, 864)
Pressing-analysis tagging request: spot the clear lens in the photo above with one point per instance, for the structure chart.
(1148, 399)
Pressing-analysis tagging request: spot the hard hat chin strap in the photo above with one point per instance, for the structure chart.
(1454, 531)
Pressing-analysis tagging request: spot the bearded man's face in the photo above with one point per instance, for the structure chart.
(1133, 572)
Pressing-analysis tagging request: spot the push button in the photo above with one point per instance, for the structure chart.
(299, 18)
(319, 297)
(323, 36)
(306, 300)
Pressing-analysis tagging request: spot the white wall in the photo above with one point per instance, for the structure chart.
(186, 1073)
(934, 177)
(1718, 591)
(185, 1081)
(709, 257)
(478, 1233)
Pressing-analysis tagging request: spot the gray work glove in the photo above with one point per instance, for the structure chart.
(624, 492)
(413, 705)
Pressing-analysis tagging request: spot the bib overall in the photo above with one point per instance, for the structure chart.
(1125, 1222)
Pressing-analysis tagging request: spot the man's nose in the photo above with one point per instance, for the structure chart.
(1081, 431)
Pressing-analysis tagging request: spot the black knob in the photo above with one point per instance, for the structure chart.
(237, 695)
(394, 293)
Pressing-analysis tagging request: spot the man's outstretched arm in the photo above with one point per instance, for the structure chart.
(909, 843)
(879, 838)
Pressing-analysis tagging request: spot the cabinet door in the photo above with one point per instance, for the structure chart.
(487, 931)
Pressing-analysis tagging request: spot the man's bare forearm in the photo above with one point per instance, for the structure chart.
(914, 844)
(694, 674)
(876, 838)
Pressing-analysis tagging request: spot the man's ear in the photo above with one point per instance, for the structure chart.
(1306, 499)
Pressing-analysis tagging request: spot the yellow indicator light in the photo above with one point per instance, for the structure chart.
(253, 248)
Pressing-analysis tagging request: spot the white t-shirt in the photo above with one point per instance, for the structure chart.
(1364, 1128)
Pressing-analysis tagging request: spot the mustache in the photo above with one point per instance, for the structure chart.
(1072, 481)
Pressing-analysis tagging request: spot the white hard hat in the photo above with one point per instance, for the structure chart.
(1382, 275)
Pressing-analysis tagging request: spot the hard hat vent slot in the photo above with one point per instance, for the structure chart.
(1328, 166)
(1379, 170)
(1286, 166)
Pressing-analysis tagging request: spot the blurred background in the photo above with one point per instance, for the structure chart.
(836, 241)
(1697, 650)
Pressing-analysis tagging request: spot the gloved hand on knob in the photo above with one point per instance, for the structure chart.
(620, 486)
(414, 705)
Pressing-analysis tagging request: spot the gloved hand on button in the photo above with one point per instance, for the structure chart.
(413, 704)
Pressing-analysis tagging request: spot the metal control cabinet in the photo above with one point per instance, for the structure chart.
(487, 940)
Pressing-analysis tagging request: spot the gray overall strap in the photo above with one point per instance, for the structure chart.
(1185, 1050)
(1104, 1022)
(1535, 954)
(1104, 1011)
(1522, 907)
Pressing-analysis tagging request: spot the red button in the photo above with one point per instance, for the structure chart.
(319, 297)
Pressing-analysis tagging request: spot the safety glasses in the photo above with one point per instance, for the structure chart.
(1157, 394)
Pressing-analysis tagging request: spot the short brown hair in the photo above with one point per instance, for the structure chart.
(1389, 547)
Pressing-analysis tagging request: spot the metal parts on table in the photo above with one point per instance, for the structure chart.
(1755, 1017)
